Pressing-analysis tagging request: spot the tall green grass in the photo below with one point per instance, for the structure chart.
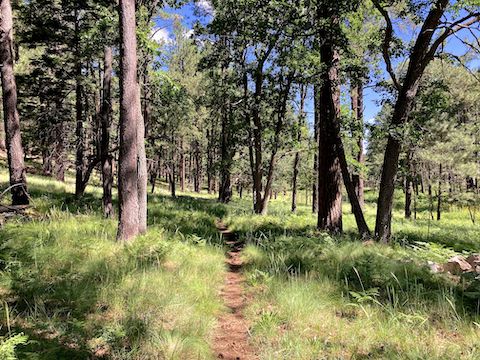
(77, 293)
(323, 297)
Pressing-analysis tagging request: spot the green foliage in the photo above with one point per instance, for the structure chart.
(72, 283)
(9, 344)
(318, 295)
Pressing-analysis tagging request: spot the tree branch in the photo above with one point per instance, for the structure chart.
(455, 27)
(386, 43)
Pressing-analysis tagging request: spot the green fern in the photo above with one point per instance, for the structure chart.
(8, 345)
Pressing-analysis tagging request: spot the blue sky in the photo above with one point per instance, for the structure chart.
(191, 13)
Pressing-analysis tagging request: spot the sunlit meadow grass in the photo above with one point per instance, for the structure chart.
(323, 297)
(75, 292)
(67, 284)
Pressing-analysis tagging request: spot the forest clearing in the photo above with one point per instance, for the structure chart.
(240, 179)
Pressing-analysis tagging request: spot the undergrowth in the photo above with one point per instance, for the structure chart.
(75, 292)
(332, 297)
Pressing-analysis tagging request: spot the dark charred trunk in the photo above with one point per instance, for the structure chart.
(105, 118)
(210, 161)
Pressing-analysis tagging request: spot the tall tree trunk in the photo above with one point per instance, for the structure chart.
(329, 173)
(296, 159)
(316, 122)
(46, 161)
(210, 161)
(79, 131)
(171, 173)
(106, 115)
(59, 169)
(3, 145)
(430, 195)
(182, 166)
(129, 110)
(408, 185)
(142, 172)
(257, 140)
(357, 108)
(420, 57)
(332, 162)
(439, 198)
(262, 207)
(197, 180)
(16, 166)
(226, 153)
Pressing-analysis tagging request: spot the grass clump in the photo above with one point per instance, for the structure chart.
(318, 296)
(77, 293)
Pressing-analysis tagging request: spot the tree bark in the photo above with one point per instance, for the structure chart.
(316, 101)
(357, 108)
(106, 116)
(430, 195)
(182, 166)
(210, 161)
(142, 172)
(332, 162)
(129, 110)
(296, 159)
(226, 153)
(79, 131)
(15, 154)
(171, 173)
(439, 198)
(198, 167)
(408, 185)
(262, 207)
(419, 59)
(46, 161)
(257, 140)
(329, 173)
(59, 169)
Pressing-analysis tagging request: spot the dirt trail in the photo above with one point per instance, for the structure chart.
(232, 332)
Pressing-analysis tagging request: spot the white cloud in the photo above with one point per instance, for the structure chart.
(205, 5)
(189, 33)
(161, 36)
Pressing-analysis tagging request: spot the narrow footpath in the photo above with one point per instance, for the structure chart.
(231, 341)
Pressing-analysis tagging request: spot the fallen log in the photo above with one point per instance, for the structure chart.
(13, 208)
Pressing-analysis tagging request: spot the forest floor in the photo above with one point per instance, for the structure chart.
(177, 292)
